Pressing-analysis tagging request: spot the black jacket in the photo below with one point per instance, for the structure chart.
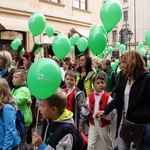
(139, 100)
(8, 76)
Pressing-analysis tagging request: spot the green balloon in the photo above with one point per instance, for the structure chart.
(98, 27)
(15, 44)
(38, 49)
(122, 48)
(71, 41)
(110, 14)
(101, 55)
(105, 50)
(117, 44)
(50, 31)
(142, 51)
(44, 78)
(71, 48)
(97, 40)
(117, 61)
(131, 48)
(61, 46)
(94, 28)
(82, 44)
(110, 50)
(93, 54)
(74, 38)
(148, 65)
(113, 65)
(22, 52)
(147, 38)
(140, 45)
(37, 23)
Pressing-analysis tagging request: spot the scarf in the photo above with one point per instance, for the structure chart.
(2, 72)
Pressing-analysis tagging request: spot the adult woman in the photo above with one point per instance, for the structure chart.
(132, 97)
(86, 73)
(9, 138)
(97, 65)
(84, 78)
(6, 69)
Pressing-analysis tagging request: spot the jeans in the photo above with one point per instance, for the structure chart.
(14, 148)
(142, 146)
(125, 144)
(23, 139)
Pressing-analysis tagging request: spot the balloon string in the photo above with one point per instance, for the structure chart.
(33, 39)
(97, 58)
(106, 55)
(36, 126)
(97, 71)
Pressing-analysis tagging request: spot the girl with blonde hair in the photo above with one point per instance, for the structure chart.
(9, 139)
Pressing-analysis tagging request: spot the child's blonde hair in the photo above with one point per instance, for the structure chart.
(22, 72)
(7, 58)
(98, 63)
(5, 94)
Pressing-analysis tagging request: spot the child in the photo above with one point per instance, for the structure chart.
(75, 99)
(22, 97)
(98, 129)
(58, 129)
(9, 138)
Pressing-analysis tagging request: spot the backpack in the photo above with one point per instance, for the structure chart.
(20, 123)
(79, 140)
(78, 136)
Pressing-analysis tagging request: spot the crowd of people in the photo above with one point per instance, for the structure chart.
(91, 99)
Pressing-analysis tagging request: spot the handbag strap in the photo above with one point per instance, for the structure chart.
(10, 73)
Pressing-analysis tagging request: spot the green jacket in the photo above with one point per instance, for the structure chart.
(22, 97)
(112, 81)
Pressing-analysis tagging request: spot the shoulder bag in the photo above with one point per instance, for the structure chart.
(132, 131)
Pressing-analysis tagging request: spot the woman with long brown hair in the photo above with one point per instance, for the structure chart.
(132, 98)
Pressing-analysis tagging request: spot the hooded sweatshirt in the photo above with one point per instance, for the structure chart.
(50, 127)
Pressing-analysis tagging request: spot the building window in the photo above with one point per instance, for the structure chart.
(125, 15)
(6, 37)
(81, 4)
(54, 1)
(125, 1)
(114, 36)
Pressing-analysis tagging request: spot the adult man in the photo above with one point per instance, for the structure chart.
(70, 64)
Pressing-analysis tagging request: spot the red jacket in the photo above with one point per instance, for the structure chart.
(102, 105)
(71, 99)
